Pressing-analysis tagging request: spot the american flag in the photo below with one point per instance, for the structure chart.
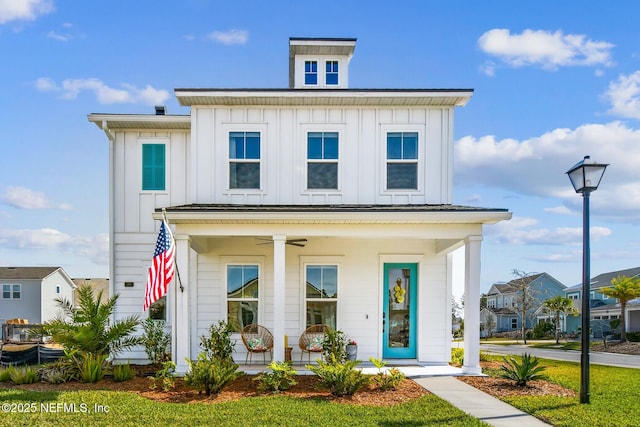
(162, 268)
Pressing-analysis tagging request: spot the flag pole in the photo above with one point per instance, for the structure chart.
(175, 264)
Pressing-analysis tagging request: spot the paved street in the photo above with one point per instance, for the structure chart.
(596, 358)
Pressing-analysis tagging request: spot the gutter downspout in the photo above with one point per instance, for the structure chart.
(111, 137)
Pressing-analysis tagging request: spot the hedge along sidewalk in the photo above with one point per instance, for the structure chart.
(477, 403)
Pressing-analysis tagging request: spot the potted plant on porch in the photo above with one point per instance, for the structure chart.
(352, 350)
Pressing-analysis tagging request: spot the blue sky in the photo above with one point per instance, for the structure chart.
(554, 81)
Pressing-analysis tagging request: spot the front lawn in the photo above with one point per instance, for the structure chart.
(108, 408)
(615, 397)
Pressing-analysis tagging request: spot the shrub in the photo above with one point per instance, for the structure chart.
(389, 380)
(543, 329)
(122, 372)
(211, 375)
(52, 374)
(156, 340)
(91, 367)
(521, 372)
(5, 375)
(633, 336)
(457, 356)
(279, 378)
(23, 374)
(165, 376)
(342, 379)
(218, 345)
(334, 345)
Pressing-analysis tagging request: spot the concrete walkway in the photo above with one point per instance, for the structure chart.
(477, 403)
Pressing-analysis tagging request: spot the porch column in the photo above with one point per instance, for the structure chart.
(180, 319)
(472, 306)
(278, 296)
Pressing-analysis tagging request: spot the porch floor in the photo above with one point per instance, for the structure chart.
(411, 369)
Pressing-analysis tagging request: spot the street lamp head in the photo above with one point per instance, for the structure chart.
(585, 176)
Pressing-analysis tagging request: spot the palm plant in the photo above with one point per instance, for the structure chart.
(624, 289)
(527, 369)
(87, 328)
(559, 305)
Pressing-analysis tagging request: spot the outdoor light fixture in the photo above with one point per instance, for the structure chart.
(585, 177)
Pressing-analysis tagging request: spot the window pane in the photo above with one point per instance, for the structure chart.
(402, 176)
(314, 145)
(330, 145)
(6, 291)
(410, 146)
(253, 145)
(322, 312)
(322, 281)
(241, 314)
(394, 145)
(242, 281)
(16, 291)
(311, 72)
(322, 175)
(236, 145)
(244, 175)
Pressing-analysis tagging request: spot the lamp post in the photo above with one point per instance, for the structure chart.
(585, 177)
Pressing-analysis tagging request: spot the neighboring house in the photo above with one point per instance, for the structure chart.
(97, 284)
(315, 203)
(603, 308)
(30, 292)
(504, 300)
(488, 322)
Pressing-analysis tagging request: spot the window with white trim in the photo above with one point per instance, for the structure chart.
(331, 77)
(322, 160)
(10, 291)
(311, 72)
(244, 160)
(402, 161)
(242, 295)
(514, 323)
(153, 167)
(321, 295)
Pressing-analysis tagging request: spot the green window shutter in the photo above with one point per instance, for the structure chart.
(153, 166)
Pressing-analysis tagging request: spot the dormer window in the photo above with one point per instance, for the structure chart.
(332, 73)
(311, 72)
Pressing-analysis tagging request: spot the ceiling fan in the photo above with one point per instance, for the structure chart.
(293, 242)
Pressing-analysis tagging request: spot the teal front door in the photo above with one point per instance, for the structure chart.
(399, 311)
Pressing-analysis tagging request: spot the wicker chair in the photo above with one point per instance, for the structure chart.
(257, 339)
(311, 340)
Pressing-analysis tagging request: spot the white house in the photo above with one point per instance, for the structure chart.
(30, 293)
(297, 206)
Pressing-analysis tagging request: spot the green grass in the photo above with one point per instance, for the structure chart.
(127, 409)
(615, 396)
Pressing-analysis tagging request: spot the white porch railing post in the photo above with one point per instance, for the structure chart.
(472, 306)
(180, 317)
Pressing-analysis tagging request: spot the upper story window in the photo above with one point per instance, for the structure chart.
(573, 296)
(244, 160)
(242, 295)
(321, 295)
(153, 166)
(491, 303)
(11, 291)
(322, 160)
(311, 72)
(57, 289)
(332, 73)
(402, 161)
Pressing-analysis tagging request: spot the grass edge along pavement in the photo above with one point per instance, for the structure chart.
(615, 396)
(128, 409)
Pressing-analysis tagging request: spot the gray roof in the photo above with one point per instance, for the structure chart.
(514, 284)
(604, 280)
(26, 273)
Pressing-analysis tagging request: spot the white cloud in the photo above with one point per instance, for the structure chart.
(95, 248)
(562, 210)
(523, 231)
(537, 166)
(230, 37)
(624, 95)
(71, 88)
(24, 198)
(546, 49)
(23, 10)
(59, 37)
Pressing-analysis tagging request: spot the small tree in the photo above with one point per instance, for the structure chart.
(559, 305)
(87, 328)
(526, 298)
(624, 289)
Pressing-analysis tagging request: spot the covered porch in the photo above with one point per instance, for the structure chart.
(362, 242)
